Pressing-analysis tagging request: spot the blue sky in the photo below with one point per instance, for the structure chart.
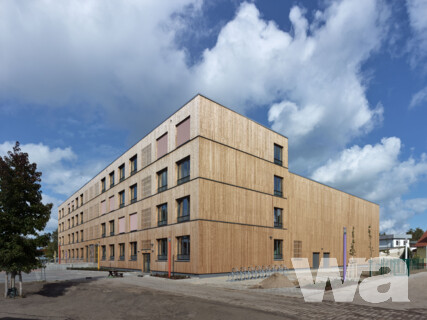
(345, 81)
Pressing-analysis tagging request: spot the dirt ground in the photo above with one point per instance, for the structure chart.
(133, 297)
(112, 299)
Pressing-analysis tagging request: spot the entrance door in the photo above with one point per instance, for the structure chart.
(146, 261)
(326, 259)
(316, 260)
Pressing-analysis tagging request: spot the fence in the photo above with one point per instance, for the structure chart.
(255, 272)
(396, 268)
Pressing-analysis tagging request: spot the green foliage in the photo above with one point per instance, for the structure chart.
(416, 233)
(52, 246)
(22, 213)
(352, 248)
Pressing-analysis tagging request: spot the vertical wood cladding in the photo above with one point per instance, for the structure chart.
(231, 187)
(146, 156)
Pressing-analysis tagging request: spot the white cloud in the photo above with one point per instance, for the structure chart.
(120, 56)
(417, 11)
(310, 76)
(375, 172)
(59, 174)
(419, 98)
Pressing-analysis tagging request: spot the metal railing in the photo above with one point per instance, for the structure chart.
(255, 272)
(183, 180)
(184, 218)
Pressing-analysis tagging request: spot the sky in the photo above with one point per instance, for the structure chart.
(346, 81)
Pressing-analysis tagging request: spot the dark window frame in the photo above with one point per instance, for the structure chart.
(181, 178)
(133, 164)
(162, 216)
(278, 154)
(278, 249)
(122, 249)
(278, 181)
(278, 217)
(122, 172)
(133, 193)
(184, 246)
(111, 177)
(162, 249)
(180, 204)
(162, 176)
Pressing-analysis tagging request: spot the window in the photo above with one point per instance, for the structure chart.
(72, 237)
(397, 243)
(81, 235)
(297, 249)
(162, 211)
(184, 248)
(111, 251)
(122, 199)
(183, 132)
(133, 165)
(133, 193)
(81, 199)
(103, 187)
(278, 154)
(278, 246)
(112, 203)
(183, 209)
(183, 170)
(112, 179)
(103, 207)
(278, 191)
(162, 245)
(122, 172)
(162, 180)
(111, 227)
(72, 221)
(77, 202)
(122, 225)
(81, 217)
(133, 222)
(162, 145)
(104, 252)
(103, 230)
(133, 251)
(278, 217)
(122, 251)
(77, 237)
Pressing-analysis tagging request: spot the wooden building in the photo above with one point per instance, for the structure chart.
(217, 186)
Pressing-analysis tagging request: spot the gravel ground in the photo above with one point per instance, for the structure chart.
(197, 298)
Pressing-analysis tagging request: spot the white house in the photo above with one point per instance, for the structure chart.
(390, 241)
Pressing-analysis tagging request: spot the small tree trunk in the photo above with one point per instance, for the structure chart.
(12, 280)
(20, 284)
(6, 284)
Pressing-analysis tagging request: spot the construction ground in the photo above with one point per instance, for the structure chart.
(75, 294)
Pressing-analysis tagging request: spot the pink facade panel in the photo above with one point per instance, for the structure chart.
(122, 225)
(183, 132)
(162, 145)
(133, 222)
(112, 203)
(103, 207)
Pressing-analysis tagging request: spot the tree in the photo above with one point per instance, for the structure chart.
(352, 248)
(22, 215)
(416, 234)
(371, 249)
(52, 246)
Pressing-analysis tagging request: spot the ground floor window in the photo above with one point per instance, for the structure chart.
(112, 252)
(133, 251)
(278, 249)
(104, 252)
(183, 248)
(162, 245)
(122, 251)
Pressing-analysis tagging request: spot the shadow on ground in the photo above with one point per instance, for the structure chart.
(57, 289)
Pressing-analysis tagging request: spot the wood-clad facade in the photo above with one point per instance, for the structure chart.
(210, 181)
